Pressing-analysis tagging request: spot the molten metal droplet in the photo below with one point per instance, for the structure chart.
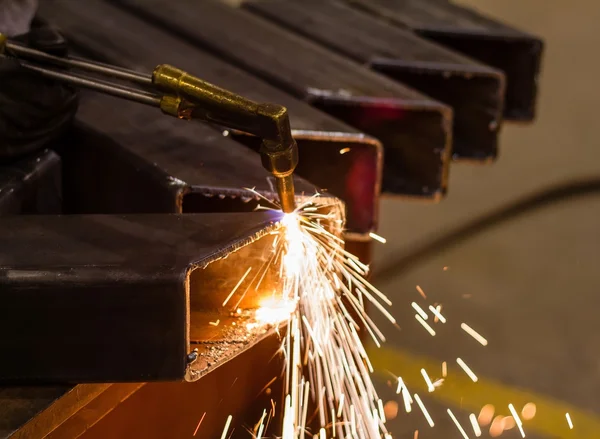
(390, 409)
(497, 427)
(529, 411)
(486, 414)
(509, 423)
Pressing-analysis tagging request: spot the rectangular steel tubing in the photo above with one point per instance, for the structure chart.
(107, 298)
(517, 53)
(474, 90)
(415, 130)
(354, 175)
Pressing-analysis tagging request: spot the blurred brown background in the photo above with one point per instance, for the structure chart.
(530, 285)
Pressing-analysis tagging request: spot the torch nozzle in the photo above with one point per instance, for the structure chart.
(285, 190)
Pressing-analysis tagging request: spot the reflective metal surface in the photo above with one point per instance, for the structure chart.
(516, 53)
(353, 175)
(473, 90)
(119, 298)
(415, 130)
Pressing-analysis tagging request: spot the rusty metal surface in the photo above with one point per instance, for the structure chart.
(516, 53)
(151, 410)
(26, 410)
(109, 298)
(415, 130)
(31, 185)
(474, 90)
(354, 176)
(161, 410)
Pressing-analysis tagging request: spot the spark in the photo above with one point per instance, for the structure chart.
(229, 418)
(425, 325)
(475, 424)
(400, 386)
(486, 415)
(444, 369)
(267, 385)
(437, 313)
(427, 380)
(529, 411)
(381, 411)
(497, 427)
(517, 419)
(262, 425)
(569, 421)
(237, 286)
(273, 311)
(216, 323)
(424, 410)
(467, 369)
(376, 237)
(462, 431)
(198, 426)
(474, 334)
(391, 409)
(340, 406)
(438, 383)
(421, 292)
(405, 395)
(509, 423)
(419, 310)
(344, 150)
(322, 298)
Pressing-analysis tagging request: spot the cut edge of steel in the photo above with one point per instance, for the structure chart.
(173, 246)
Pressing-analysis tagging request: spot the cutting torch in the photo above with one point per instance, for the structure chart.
(182, 95)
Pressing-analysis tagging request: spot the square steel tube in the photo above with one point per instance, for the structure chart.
(101, 298)
(414, 129)
(473, 90)
(354, 176)
(516, 53)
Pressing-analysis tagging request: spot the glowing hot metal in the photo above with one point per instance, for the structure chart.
(322, 300)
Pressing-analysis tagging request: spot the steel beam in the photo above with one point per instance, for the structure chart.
(473, 90)
(353, 175)
(103, 298)
(516, 53)
(415, 130)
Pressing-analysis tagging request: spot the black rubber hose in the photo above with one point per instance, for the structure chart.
(33, 110)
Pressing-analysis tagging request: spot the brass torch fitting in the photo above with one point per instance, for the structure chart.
(280, 156)
(281, 162)
(193, 98)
